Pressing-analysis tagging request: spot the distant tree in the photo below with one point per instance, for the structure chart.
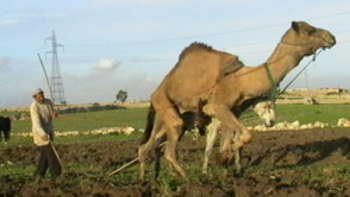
(121, 96)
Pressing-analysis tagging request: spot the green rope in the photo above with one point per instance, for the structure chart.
(274, 93)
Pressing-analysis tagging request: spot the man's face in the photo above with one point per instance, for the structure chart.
(39, 97)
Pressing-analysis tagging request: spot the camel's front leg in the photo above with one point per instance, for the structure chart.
(224, 114)
(237, 152)
(211, 136)
(230, 121)
(233, 131)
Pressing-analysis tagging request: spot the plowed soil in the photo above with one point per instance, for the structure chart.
(289, 163)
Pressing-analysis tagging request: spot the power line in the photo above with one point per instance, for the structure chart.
(213, 34)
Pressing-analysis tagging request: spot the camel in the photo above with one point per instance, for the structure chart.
(208, 91)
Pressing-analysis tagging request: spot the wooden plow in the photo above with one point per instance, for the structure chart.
(130, 163)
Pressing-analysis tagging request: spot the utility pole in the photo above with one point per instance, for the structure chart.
(56, 82)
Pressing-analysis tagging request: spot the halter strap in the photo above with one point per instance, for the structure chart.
(297, 44)
(274, 93)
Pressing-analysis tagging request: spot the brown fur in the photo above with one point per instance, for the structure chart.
(149, 125)
(199, 78)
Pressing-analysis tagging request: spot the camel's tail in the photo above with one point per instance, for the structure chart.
(149, 125)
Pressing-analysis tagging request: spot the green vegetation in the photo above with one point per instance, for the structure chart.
(319, 175)
(328, 113)
(121, 96)
(92, 120)
(136, 117)
(325, 177)
(82, 139)
(6, 113)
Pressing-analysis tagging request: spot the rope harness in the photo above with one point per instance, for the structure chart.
(275, 90)
(302, 70)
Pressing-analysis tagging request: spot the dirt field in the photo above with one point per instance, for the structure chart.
(300, 163)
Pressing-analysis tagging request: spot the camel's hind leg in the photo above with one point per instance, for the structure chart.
(158, 154)
(145, 149)
(211, 136)
(174, 130)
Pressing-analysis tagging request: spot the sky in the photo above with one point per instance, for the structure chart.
(132, 44)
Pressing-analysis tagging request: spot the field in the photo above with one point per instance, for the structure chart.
(286, 163)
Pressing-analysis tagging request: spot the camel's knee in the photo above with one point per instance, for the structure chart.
(175, 130)
(168, 155)
(245, 136)
(144, 151)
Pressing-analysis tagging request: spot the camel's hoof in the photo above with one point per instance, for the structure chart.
(223, 158)
(205, 172)
(183, 174)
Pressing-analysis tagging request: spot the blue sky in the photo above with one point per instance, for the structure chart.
(116, 44)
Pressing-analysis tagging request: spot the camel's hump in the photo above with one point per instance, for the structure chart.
(195, 46)
(199, 69)
(230, 62)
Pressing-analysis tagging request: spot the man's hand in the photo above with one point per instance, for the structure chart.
(45, 138)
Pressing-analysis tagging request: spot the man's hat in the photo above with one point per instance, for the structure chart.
(37, 91)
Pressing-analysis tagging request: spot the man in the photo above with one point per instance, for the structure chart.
(5, 127)
(42, 112)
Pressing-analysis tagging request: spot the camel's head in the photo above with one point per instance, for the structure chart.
(266, 111)
(308, 38)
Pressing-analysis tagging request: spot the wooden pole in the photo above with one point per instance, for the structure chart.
(46, 76)
(56, 154)
(124, 166)
(130, 163)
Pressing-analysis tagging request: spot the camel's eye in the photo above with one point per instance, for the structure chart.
(311, 31)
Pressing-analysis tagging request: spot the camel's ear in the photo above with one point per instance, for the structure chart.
(295, 26)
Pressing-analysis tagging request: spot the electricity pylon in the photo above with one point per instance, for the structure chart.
(56, 81)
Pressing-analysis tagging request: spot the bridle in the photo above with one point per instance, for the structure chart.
(275, 91)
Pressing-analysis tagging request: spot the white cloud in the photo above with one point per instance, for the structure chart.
(8, 21)
(107, 64)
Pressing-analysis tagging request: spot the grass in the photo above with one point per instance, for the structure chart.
(136, 117)
(92, 120)
(312, 174)
(6, 113)
(328, 113)
(82, 139)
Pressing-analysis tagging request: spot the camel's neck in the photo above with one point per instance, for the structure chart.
(283, 60)
(254, 81)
